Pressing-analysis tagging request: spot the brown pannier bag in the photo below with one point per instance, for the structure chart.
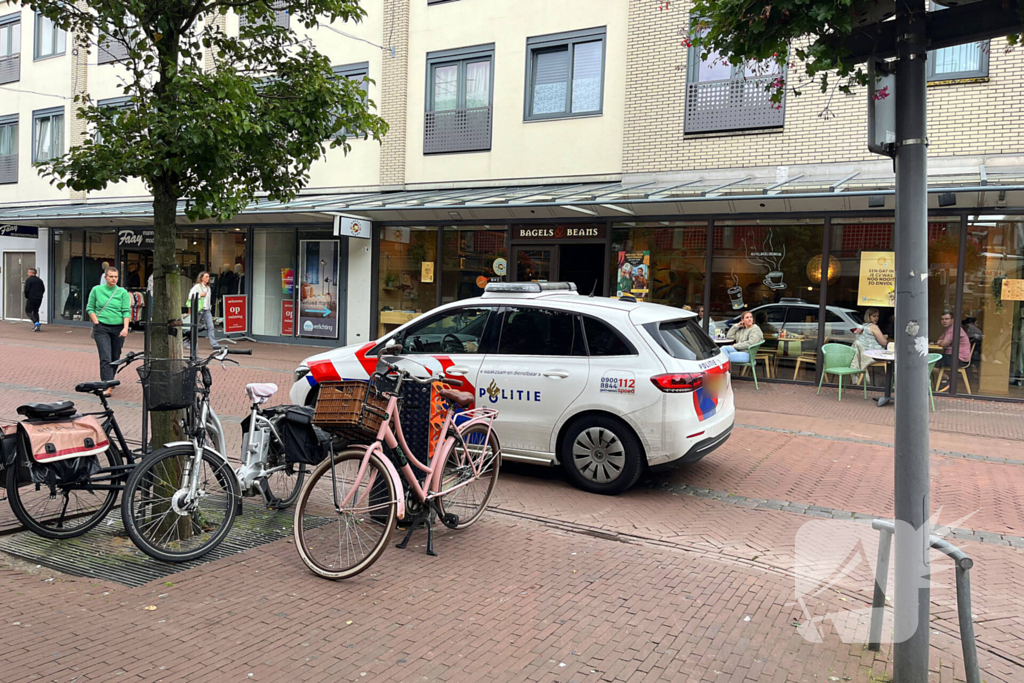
(56, 440)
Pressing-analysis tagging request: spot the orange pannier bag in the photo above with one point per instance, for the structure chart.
(56, 440)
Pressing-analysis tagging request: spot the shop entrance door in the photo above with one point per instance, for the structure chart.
(582, 264)
(16, 265)
(536, 263)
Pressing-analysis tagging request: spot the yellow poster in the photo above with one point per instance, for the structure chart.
(1013, 290)
(877, 279)
(427, 271)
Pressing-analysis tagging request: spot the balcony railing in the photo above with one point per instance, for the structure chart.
(8, 168)
(457, 130)
(736, 104)
(10, 69)
(111, 50)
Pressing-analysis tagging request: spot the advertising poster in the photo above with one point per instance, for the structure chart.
(287, 281)
(877, 286)
(1012, 290)
(235, 314)
(633, 273)
(288, 318)
(318, 295)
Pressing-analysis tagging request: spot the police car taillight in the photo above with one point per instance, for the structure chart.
(679, 382)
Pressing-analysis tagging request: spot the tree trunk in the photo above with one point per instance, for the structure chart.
(166, 339)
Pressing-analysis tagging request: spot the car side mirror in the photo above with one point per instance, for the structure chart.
(393, 348)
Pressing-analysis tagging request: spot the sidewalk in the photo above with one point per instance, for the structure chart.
(656, 584)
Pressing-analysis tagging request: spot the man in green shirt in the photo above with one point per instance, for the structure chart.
(109, 308)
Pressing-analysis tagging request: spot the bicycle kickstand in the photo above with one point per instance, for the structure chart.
(426, 522)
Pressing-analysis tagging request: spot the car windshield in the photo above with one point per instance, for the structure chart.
(684, 339)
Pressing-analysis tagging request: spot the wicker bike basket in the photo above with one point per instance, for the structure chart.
(168, 383)
(353, 408)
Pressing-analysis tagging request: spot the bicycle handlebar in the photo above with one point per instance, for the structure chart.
(128, 359)
(239, 352)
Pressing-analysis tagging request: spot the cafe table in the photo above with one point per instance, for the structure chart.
(889, 359)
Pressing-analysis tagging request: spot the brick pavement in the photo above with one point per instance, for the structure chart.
(819, 455)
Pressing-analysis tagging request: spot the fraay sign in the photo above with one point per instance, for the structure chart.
(8, 230)
(133, 238)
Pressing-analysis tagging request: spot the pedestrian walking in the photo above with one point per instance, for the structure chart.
(205, 313)
(34, 291)
(109, 308)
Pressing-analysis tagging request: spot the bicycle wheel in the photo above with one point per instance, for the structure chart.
(158, 518)
(284, 484)
(338, 544)
(474, 451)
(73, 511)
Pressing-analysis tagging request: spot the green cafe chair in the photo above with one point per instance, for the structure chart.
(933, 358)
(837, 362)
(752, 364)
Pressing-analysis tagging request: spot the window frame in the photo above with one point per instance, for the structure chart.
(118, 103)
(577, 323)
(981, 73)
(460, 57)
(11, 20)
(569, 40)
(35, 40)
(360, 70)
(487, 338)
(5, 121)
(37, 116)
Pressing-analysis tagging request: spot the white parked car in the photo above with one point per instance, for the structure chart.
(603, 387)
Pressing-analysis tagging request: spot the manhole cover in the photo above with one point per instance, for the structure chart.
(107, 553)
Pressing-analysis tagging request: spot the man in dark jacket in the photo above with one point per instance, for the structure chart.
(34, 291)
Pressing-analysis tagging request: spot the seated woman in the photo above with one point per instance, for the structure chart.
(746, 334)
(870, 338)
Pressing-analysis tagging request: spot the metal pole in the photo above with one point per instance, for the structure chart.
(881, 580)
(963, 607)
(910, 657)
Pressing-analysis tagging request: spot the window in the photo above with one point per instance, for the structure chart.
(47, 134)
(118, 104)
(540, 332)
(281, 16)
(459, 96)
(683, 339)
(565, 74)
(112, 49)
(723, 96)
(958, 62)
(10, 48)
(604, 341)
(358, 73)
(9, 149)
(454, 332)
(49, 38)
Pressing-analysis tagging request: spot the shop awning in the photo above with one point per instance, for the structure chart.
(696, 194)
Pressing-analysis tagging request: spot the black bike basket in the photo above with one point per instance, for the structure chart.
(168, 383)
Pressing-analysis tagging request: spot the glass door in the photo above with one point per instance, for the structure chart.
(536, 263)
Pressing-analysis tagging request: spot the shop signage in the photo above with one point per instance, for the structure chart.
(133, 238)
(1013, 290)
(288, 318)
(500, 267)
(8, 230)
(877, 285)
(235, 314)
(634, 271)
(318, 300)
(347, 226)
(427, 271)
(567, 233)
(397, 234)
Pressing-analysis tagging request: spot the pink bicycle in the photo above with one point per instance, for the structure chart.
(353, 500)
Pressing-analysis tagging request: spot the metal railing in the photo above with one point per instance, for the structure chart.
(10, 69)
(9, 168)
(963, 595)
(457, 130)
(734, 104)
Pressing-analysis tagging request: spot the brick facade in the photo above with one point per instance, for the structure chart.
(820, 128)
(78, 128)
(394, 84)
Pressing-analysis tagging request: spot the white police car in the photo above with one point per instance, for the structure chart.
(601, 386)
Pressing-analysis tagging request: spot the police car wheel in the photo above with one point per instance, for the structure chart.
(601, 455)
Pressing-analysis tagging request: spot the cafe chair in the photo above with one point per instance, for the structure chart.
(837, 362)
(808, 357)
(753, 351)
(963, 373)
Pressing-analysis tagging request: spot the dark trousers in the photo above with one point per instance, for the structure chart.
(109, 342)
(32, 308)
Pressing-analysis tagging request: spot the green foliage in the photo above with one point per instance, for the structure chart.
(217, 137)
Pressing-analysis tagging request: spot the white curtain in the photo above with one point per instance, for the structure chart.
(446, 87)
(478, 84)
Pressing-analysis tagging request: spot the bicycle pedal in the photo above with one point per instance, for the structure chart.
(450, 520)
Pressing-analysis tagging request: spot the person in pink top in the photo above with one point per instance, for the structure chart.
(946, 342)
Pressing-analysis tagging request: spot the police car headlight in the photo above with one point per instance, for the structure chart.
(301, 372)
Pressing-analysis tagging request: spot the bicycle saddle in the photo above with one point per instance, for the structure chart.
(462, 399)
(47, 411)
(260, 393)
(94, 387)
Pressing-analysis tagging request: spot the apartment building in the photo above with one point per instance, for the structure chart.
(581, 141)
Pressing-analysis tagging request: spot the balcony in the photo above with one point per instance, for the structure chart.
(10, 69)
(8, 169)
(735, 104)
(457, 130)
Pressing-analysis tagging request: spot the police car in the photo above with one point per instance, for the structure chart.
(603, 387)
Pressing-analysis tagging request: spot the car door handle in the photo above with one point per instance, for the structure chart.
(556, 374)
(457, 371)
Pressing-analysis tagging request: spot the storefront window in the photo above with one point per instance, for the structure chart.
(762, 266)
(227, 264)
(273, 282)
(319, 313)
(665, 258)
(69, 263)
(406, 281)
(943, 257)
(993, 319)
(99, 250)
(191, 254)
(472, 256)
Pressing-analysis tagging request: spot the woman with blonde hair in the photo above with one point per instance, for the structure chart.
(202, 289)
